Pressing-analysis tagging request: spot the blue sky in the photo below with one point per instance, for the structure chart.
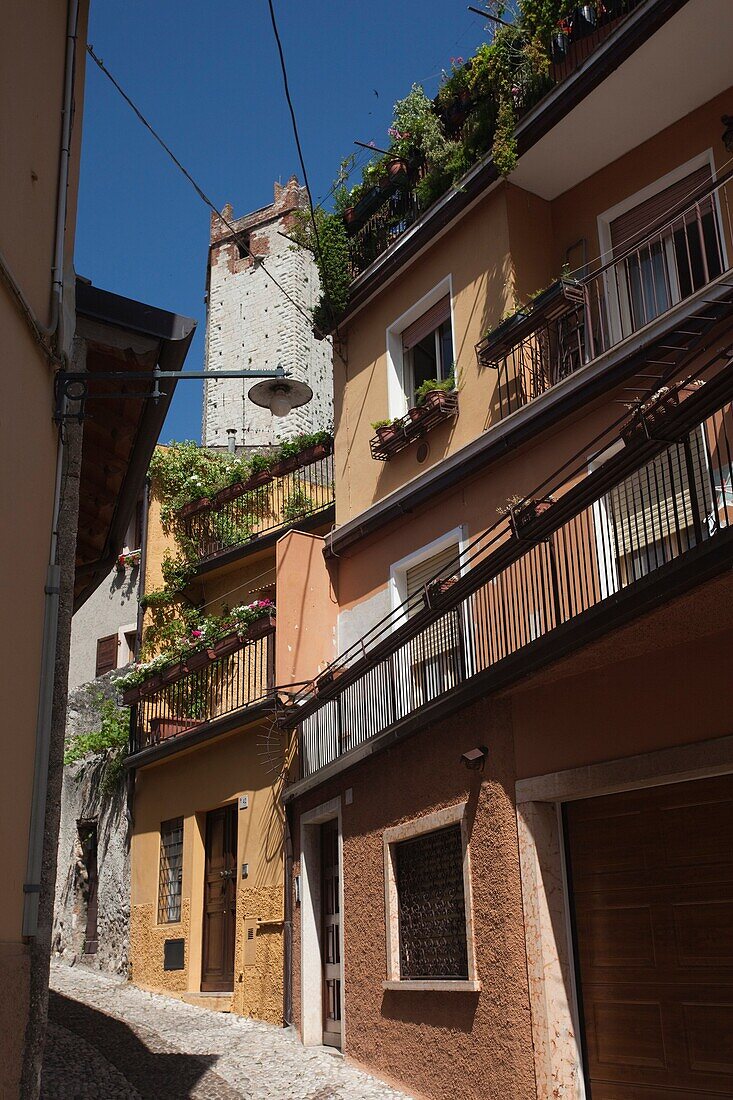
(206, 75)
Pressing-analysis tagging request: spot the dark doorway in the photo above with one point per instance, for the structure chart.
(331, 933)
(88, 840)
(220, 900)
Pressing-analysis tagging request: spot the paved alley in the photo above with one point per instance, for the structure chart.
(108, 1040)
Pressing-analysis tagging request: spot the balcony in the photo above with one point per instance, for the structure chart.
(650, 513)
(188, 697)
(240, 515)
(437, 407)
(385, 213)
(574, 322)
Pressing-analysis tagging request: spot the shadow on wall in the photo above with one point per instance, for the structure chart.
(124, 582)
(155, 1072)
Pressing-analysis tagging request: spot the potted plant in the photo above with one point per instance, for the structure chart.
(585, 18)
(433, 392)
(521, 511)
(399, 171)
(649, 418)
(261, 627)
(386, 429)
(560, 43)
(260, 466)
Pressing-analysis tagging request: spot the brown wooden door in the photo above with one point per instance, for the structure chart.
(331, 933)
(651, 877)
(220, 900)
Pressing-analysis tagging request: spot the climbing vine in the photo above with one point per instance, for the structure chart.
(107, 745)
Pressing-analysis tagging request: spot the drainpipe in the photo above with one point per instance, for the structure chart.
(143, 566)
(31, 887)
(288, 925)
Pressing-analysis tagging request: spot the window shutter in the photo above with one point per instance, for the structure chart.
(106, 654)
(426, 324)
(417, 577)
(645, 507)
(628, 230)
(441, 636)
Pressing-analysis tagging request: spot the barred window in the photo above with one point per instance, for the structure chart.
(171, 871)
(431, 906)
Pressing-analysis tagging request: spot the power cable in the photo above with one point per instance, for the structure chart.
(299, 148)
(199, 190)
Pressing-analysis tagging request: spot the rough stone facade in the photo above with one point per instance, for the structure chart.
(85, 804)
(250, 324)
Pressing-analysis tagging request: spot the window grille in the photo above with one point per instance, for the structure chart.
(171, 871)
(431, 906)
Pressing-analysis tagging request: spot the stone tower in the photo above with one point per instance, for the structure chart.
(251, 324)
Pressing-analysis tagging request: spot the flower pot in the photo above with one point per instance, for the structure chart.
(441, 587)
(200, 658)
(260, 628)
(522, 515)
(193, 507)
(263, 477)
(399, 172)
(585, 18)
(435, 399)
(286, 465)
(162, 728)
(416, 413)
(368, 204)
(348, 215)
(224, 647)
(229, 492)
(650, 422)
(131, 695)
(171, 674)
(559, 47)
(386, 434)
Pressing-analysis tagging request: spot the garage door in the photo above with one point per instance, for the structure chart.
(651, 883)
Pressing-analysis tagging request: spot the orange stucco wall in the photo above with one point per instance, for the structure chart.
(33, 43)
(306, 609)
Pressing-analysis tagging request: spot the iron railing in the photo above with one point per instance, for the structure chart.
(572, 322)
(569, 48)
(284, 501)
(585, 537)
(224, 685)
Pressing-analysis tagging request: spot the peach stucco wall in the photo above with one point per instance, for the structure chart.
(306, 609)
(189, 785)
(32, 62)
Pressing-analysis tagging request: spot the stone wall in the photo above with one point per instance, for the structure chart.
(83, 802)
(251, 324)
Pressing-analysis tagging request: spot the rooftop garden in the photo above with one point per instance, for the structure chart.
(433, 143)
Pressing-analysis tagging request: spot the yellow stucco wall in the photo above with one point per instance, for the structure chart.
(188, 786)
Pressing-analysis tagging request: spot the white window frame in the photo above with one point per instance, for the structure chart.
(617, 305)
(397, 382)
(430, 823)
(407, 696)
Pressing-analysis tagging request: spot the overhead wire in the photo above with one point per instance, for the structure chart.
(241, 241)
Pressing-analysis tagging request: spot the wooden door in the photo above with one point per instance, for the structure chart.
(651, 877)
(331, 932)
(220, 900)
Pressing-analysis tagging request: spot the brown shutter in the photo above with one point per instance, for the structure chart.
(106, 654)
(628, 230)
(426, 324)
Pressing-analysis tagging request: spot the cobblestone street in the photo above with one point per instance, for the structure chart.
(108, 1040)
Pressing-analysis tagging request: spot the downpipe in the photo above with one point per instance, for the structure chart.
(52, 588)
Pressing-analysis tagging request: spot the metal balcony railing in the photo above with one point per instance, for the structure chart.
(597, 530)
(284, 501)
(191, 698)
(573, 322)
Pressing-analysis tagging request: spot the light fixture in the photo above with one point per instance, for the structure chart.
(280, 395)
(475, 758)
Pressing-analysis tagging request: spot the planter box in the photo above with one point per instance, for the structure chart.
(264, 477)
(652, 422)
(522, 515)
(194, 507)
(229, 492)
(327, 678)
(199, 659)
(286, 465)
(439, 588)
(315, 453)
(162, 728)
(260, 628)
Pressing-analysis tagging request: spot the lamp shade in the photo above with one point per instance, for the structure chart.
(280, 395)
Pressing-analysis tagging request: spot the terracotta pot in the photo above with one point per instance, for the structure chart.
(314, 453)
(416, 413)
(435, 399)
(348, 215)
(163, 728)
(386, 433)
(199, 659)
(399, 171)
(260, 628)
(131, 695)
(286, 465)
(226, 646)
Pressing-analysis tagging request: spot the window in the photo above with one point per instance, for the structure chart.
(130, 640)
(106, 654)
(436, 651)
(681, 257)
(428, 885)
(427, 348)
(171, 871)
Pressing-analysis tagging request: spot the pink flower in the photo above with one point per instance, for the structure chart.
(197, 633)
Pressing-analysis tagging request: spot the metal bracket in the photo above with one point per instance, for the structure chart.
(72, 387)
